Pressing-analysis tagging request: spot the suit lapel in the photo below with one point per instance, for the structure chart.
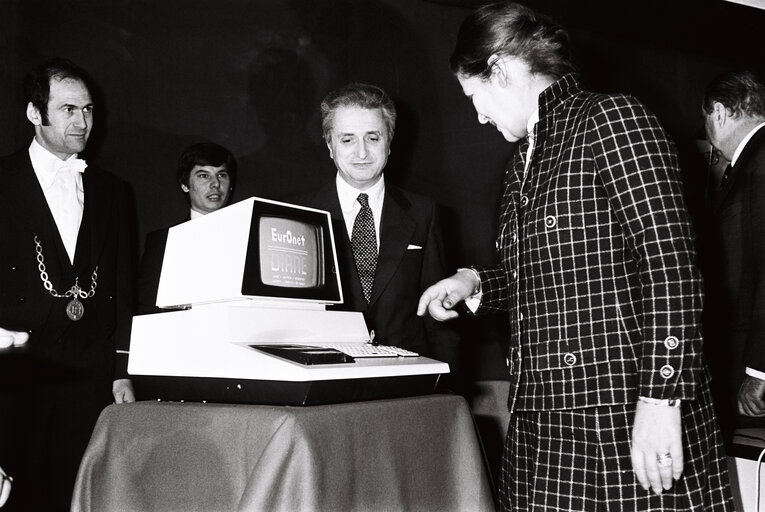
(95, 227)
(396, 229)
(22, 193)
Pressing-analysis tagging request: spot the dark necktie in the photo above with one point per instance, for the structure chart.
(364, 244)
(726, 175)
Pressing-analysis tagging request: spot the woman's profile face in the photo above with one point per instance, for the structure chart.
(506, 99)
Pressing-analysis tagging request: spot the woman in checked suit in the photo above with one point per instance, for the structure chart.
(609, 396)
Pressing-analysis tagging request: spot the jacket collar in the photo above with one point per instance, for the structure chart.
(558, 93)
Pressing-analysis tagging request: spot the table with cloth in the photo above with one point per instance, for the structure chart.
(403, 454)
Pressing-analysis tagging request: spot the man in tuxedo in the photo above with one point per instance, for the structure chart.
(206, 175)
(388, 240)
(734, 115)
(66, 284)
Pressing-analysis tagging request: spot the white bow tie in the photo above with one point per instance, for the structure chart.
(73, 165)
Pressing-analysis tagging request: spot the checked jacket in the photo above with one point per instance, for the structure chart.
(597, 268)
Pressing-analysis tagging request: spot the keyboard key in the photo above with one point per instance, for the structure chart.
(362, 350)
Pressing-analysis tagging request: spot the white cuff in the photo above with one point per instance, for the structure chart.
(671, 402)
(755, 373)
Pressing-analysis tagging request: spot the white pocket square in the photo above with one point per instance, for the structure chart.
(413, 247)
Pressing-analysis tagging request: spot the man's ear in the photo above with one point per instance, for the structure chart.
(329, 147)
(184, 188)
(498, 68)
(722, 114)
(33, 115)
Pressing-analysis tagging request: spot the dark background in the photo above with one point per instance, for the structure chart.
(250, 74)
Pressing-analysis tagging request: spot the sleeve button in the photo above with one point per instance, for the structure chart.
(671, 342)
(666, 371)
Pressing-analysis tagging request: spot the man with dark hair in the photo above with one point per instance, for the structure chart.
(206, 174)
(37, 84)
(66, 282)
(389, 240)
(609, 400)
(734, 117)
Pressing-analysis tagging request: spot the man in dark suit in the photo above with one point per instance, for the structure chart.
(65, 281)
(609, 398)
(388, 240)
(206, 175)
(734, 113)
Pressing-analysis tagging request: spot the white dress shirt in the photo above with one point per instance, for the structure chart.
(530, 126)
(61, 183)
(350, 206)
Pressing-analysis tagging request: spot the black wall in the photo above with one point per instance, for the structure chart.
(250, 74)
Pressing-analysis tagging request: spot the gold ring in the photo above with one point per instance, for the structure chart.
(664, 460)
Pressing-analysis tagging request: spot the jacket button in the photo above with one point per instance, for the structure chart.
(666, 371)
(22, 299)
(671, 342)
(569, 359)
(524, 200)
(550, 221)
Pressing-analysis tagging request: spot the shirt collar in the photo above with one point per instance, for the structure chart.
(743, 142)
(348, 194)
(45, 163)
(195, 214)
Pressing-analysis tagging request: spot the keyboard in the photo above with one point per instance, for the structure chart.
(361, 350)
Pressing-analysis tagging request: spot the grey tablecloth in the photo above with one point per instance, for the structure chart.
(407, 454)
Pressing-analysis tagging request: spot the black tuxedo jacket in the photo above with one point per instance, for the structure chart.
(411, 258)
(150, 269)
(104, 241)
(736, 276)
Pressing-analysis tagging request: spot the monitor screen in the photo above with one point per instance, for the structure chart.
(291, 253)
